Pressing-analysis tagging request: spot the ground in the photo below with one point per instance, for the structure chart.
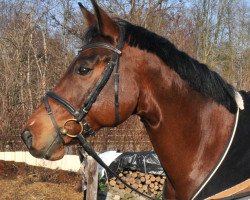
(19, 181)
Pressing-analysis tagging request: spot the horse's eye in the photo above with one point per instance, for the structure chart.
(83, 70)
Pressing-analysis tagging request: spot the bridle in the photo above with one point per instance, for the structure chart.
(79, 115)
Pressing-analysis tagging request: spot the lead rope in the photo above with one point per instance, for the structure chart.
(87, 147)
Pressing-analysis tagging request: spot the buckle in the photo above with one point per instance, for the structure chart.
(84, 110)
(64, 131)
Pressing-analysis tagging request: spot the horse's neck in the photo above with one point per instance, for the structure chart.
(188, 131)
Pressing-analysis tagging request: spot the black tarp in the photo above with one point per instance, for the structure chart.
(146, 162)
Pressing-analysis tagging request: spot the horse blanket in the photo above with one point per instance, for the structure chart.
(236, 166)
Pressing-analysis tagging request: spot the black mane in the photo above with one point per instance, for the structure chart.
(197, 75)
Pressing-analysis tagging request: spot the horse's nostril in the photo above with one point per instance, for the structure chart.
(27, 138)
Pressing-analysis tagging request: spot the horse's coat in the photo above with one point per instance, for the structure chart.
(236, 166)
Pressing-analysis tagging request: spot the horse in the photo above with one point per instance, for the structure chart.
(198, 123)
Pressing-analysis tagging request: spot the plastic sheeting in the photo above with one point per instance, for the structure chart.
(108, 157)
(146, 162)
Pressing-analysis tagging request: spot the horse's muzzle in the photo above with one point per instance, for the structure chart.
(49, 151)
(27, 138)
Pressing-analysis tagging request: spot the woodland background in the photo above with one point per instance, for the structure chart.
(39, 38)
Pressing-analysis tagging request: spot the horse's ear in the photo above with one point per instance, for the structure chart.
(90, 18)
(106, 25)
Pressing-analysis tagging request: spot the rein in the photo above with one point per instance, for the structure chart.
(85, 129)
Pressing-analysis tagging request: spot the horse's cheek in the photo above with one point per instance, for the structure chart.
(103, 111)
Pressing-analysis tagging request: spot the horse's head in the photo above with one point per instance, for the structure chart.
(90, 94)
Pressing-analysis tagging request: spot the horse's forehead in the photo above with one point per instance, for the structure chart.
(92, 35)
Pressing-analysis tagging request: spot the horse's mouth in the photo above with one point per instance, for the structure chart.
(53, 150)
(56, 151)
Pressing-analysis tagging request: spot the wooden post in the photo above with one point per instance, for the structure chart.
(92, 179)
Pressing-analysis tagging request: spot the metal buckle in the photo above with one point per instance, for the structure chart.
(64, 131)
(84, 110)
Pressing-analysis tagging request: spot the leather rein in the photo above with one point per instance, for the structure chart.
(79, 115)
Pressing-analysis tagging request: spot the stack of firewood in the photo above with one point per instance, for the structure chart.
(145, 183)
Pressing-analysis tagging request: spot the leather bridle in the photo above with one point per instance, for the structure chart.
(79, 115)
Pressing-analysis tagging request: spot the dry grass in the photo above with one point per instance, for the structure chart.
(22, 182)
(19, 190)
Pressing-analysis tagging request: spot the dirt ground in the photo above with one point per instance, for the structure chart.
(19, 181)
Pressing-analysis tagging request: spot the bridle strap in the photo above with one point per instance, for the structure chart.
(116, 89)
(116, 77)
(88, 131)
(52, 118)
(96, 90)
(63, 102)
(115, 61)
(103, 45)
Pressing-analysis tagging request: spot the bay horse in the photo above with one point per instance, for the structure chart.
(198, 123)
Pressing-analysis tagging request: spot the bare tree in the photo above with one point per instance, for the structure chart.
(39, 38)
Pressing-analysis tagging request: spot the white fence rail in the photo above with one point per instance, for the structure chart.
(68, 162)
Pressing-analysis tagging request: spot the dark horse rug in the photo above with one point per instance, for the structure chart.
(236, 166)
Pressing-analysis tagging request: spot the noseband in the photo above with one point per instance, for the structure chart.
(79, 115)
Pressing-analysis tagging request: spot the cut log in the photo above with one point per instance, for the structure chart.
(162, 181)
(112, 183)
(156, 187)
(134, 174)
(131, 180)
(152, 178)
(141, 174)
(135, 186)
(146, 183)
(140, 189)
(147, 176)
(145, 187)
(158, 178)
(121, 186)
(143, 179)
(151, 185)
(128, 190)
